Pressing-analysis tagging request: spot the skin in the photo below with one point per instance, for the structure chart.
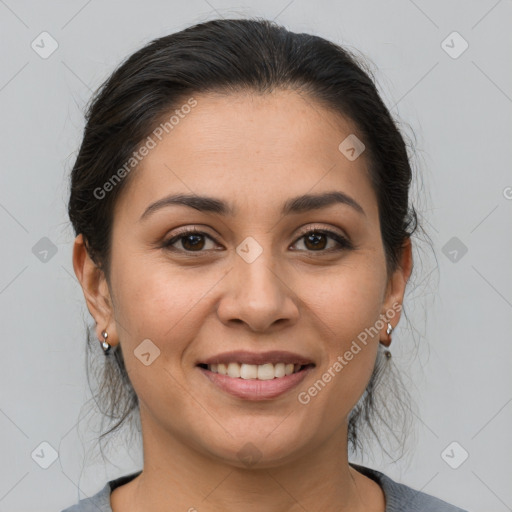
(254, 151)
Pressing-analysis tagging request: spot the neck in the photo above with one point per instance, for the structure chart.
(181, 478)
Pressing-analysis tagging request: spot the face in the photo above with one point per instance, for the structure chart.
(276, 281)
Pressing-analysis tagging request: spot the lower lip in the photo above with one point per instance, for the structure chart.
(254, 389)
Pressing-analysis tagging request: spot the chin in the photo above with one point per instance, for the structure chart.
(250, 450)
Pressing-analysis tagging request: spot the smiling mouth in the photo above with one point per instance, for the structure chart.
(267, 371)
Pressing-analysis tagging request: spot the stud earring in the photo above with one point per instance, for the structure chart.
(106, 346)
(389, 330)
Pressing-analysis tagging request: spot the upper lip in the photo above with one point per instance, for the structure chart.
(245, 357)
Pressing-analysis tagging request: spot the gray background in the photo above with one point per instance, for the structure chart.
(457, 365)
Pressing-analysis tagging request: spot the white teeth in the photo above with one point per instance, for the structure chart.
(267, 371)
(279, 370)
(248, 371)
(234, 370)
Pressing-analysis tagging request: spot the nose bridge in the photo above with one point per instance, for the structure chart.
(257, 295)
(255, 268)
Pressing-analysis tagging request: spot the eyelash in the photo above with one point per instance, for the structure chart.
(343, 243)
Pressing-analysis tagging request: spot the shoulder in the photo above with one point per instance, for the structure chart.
(100, 502)
(400, 497)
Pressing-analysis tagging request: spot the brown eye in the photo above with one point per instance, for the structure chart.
(191, 241)
(316, 241)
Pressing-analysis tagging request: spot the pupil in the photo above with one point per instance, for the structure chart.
(314, 238)
(196, 243)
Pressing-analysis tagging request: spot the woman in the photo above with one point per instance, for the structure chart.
(241, 206)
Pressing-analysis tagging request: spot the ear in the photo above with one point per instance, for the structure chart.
(395, 290)
(96, 292)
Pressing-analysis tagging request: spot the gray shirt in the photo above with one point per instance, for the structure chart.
(399, 497)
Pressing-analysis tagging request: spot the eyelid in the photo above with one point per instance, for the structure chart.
(319, 227)
(343, 241)
(188, 230)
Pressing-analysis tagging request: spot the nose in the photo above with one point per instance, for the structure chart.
(257, 294)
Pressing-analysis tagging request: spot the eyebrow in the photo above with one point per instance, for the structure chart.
(295, 205)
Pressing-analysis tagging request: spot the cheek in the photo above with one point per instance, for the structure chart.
(159, 301)
(347, 312)
(347, 300)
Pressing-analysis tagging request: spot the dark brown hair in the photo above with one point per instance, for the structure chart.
(232, 55)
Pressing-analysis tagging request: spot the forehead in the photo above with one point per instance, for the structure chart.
(249, 148)
(280, 123)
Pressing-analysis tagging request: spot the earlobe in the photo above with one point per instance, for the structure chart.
(95, 289)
